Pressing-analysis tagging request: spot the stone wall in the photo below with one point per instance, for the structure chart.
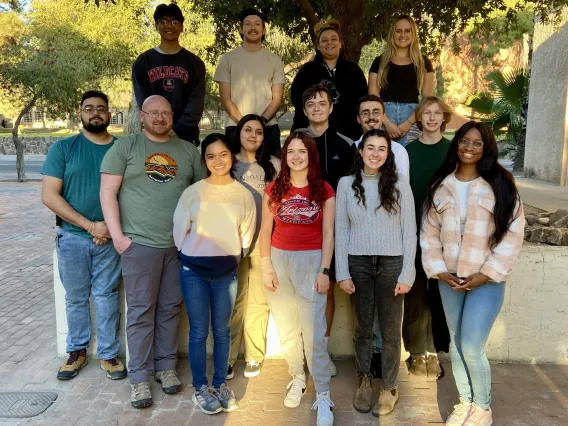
(35, 145)
(546, 151)
(532, 326)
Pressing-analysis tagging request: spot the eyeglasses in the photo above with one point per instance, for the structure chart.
(91, 110)
(173, 22)
(476, 143)
(156, 114)
(375, 113)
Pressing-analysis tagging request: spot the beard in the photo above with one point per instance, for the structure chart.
(95, 127)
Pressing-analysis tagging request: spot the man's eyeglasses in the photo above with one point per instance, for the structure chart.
(476, 143)
(156, 114)
(91, 110)
(172, 22)
(375, 113)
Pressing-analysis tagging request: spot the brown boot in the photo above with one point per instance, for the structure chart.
(363, 401)
(434, 368)
(417, 366)
(385, 404)
(75, 361)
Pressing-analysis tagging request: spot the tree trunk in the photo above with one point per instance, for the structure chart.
(212, 121)
(19, 144)
(350, 15)
(132, 123)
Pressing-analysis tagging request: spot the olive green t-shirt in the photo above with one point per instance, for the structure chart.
(424, 160)
(154, 177)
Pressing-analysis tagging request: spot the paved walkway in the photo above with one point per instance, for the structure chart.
(523, 395)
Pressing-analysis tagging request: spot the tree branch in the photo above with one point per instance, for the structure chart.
(311, 17)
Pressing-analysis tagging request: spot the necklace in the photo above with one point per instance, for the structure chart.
(370, 175)
(298, 190)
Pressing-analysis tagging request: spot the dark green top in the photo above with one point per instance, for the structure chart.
(77, 162)
(424, 161)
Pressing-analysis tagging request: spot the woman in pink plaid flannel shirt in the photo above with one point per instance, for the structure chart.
(472, 233)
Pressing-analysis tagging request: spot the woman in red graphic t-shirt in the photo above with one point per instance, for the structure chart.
(295, 259)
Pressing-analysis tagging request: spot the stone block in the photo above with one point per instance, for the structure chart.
(557, 236)
(560, 223)
(539, 234)
(543, 221)
(531, 219)
(557, 215)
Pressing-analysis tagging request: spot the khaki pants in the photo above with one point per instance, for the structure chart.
(250, 316)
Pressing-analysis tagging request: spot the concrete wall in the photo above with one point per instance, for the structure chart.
(35, 145)
(532, 326)
(546, 152)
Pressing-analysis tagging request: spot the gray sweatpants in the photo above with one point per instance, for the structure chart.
(153, 295)
(299, 313)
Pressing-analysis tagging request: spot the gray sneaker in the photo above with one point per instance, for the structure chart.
(206, 400)
(226, 397)
(140, 396)
(169, 380)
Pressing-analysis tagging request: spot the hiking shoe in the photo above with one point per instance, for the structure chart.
(226, 397)
(114, 368)
(140, 396)
(460, 414)
(376, 365)
(363, 401)
(385, 404)
(434, 368)
(230, 372)
(296, 390)
(169, 380)
(70, 368)
(252, 369)
(479, 417)
(206, 400)
(417, 366)
(324, 405)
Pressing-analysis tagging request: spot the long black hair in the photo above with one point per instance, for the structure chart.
(262, 154)
(218, 137)
(501, 181)
(388, 192)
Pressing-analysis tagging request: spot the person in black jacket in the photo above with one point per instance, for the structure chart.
(173, 72)
(345, 80)
(336, 159)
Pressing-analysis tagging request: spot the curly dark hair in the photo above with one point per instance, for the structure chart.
(388, 192)
(501, 181)
(316, 183)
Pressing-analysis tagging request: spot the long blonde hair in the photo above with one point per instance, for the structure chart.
(390, 51)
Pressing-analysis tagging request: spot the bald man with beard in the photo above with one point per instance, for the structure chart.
(142, 177)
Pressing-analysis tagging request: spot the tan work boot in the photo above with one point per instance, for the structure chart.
(169, 380)
(114, 368)
(75, 361)
(385, 404)
(363, 401)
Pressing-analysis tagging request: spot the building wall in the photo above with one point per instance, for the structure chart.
(546, 151)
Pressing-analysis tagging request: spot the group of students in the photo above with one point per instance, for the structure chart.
(245, 228)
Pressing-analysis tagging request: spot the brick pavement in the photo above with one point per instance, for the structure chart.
(523, 395)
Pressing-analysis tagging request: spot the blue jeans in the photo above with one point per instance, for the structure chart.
(84, 266)
(470, 316)
(205, 298)
(398, 112)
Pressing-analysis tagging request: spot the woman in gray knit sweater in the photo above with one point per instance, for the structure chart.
(375, 246)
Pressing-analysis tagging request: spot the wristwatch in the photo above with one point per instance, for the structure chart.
(324, 271)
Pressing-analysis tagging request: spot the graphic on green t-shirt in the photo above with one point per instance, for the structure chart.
(160, 167)
(77, 162)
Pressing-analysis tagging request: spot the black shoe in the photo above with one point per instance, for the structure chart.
(230, 372)
(434, 368)
(376, 365)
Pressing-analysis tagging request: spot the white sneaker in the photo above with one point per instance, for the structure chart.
(324, 405)
(296, 390)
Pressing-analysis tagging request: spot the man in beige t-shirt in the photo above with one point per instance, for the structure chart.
(251, 80)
